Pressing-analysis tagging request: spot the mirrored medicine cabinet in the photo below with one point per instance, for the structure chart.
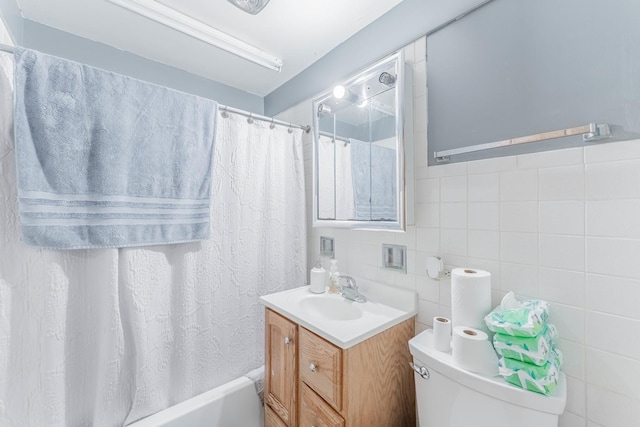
(360, 147)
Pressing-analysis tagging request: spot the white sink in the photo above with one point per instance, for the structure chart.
(325, 308)
(342, 322)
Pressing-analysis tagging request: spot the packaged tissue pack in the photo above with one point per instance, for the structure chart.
(540, 379)
(524, 318)
(535, 350)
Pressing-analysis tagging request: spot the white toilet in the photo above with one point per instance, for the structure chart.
(447, 396)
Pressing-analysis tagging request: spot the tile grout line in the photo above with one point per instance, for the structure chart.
(584, 296)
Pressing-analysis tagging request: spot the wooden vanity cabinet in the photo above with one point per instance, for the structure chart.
(369, 384)
(281, 373)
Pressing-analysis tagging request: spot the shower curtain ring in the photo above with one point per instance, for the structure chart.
(224, 114)
(290, 130)
(272, 125)
(250, 119)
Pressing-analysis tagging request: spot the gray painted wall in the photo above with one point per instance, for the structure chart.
(50, 40)
(516, 68)
(403, 24)
(12, 18)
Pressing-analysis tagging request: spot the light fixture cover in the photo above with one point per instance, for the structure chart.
(250, 6)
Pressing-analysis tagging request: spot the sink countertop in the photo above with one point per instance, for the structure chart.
(386, 306)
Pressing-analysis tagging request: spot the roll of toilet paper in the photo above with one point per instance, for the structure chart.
(441, 334)
(470, 297)
(472, 351)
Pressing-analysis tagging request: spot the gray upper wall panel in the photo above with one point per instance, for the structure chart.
(517, 68)
(10, 15)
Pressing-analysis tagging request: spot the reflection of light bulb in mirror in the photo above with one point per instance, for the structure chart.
(339, 92)
(363, 103)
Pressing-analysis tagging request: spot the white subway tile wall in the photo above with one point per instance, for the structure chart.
(563, 226)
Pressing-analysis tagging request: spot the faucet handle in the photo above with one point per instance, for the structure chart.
(351, 282)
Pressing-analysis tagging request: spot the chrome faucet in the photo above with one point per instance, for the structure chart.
(350, 289)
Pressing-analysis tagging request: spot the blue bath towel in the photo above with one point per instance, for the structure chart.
(105, 160)
(374, 183)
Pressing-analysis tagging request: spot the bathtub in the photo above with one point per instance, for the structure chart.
(234, 404)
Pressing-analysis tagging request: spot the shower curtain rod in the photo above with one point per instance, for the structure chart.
(338, 138)
(250, 115)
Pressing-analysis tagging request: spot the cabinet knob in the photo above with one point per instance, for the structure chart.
(287, 340)
(313, 367)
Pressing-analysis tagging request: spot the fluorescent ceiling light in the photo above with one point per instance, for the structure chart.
(192, 27)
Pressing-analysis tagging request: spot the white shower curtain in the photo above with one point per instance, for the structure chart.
(193, 309)
(104, 337)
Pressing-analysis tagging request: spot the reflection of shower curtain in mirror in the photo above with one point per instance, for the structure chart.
(335, 183)
(374, 181)
(102, 337)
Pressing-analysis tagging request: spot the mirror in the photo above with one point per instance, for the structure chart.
(359, 150)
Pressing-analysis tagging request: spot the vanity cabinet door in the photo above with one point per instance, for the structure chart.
(271, 419)
(315, 412)
(280, 368)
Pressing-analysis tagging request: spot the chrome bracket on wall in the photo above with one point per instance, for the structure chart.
(597, 131)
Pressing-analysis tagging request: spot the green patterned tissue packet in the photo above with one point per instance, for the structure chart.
(540, 379)
(525, 318)
(535, 350)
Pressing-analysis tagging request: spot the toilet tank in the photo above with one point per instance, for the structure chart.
(447, 396)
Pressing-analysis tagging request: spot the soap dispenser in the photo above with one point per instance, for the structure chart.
(317, 278)
(334, 286)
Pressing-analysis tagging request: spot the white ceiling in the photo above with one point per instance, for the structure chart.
(298, 31)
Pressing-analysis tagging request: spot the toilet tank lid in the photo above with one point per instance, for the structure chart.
(424, 353)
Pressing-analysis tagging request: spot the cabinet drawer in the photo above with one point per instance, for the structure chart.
(320, 366)
(315, 412)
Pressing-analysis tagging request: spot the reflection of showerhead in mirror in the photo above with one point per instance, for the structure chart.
(323, 110)
(387, 79)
